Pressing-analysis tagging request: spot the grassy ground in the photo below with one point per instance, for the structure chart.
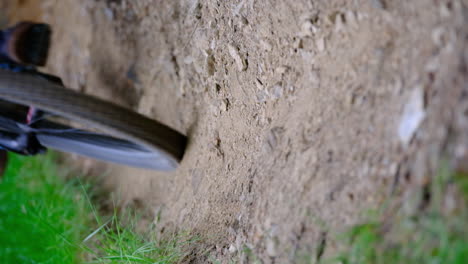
(436, 232)
(115, 242)
(45, 219)
(41, 216)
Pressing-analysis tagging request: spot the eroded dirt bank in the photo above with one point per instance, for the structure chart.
(301, 114)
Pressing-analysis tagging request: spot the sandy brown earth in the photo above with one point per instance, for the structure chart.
(301, 114)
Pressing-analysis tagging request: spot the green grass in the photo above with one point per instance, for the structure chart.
(41, 216)
(45, 219)
(432, 235)
(115, 242)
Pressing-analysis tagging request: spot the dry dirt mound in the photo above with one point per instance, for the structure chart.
(301, 114)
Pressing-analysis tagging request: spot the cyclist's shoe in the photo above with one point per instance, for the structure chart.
(27, 43)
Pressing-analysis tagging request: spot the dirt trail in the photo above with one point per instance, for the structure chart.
(301, 114)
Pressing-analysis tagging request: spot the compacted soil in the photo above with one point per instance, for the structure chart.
(301, 114)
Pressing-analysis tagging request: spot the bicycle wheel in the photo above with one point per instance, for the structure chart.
(127, 137)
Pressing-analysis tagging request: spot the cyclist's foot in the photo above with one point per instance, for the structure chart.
(28, 43)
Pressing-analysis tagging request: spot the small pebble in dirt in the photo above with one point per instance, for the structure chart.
(109, 13)
(276, 92)
(320, 43)
(266, 45)
(339, 22)
(234, 52)
(281, 70)
(378, 4)
(307, 29)
(232, 249)
(271, 247)
(224, 105)
(439, 36)
(188, 60)
(433, 64)
(413, 115)
(261, 96)
(445, 10)
(351, 18)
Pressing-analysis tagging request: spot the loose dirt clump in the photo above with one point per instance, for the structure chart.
(301, 114)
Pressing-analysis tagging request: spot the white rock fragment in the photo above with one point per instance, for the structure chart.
(232, 249)
(439, 36)
(361, 16)
(188, 60)
(265, 45)
(307, 29)
(378, 4)
(271, 247)
(351, 18)
(320, 43)
(214, 110)
(281, 70)
(262, 96)
(224, 105)
(339, 23)
(413, 115)
(192, 6)
(433, 64)
(238, 8)
(213, 44)
(276, 92)
(444, 10)
(109, 13)
(234, 52)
